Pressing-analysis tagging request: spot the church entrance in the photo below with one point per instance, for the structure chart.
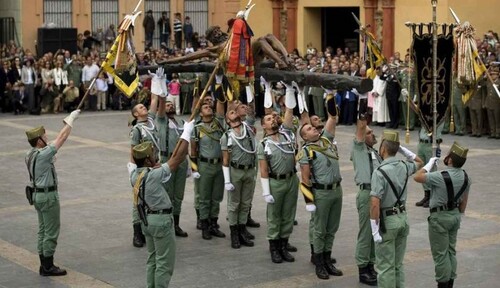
(337, 28)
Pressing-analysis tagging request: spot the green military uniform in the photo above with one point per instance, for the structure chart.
(365, 160)
(390, 252)
(475, 104)
(141, 132)
(325, 175)
(187, 81)
(159, 232)
(444, 221)
(318, 101)
(241, 147)
(404, 104)
(458, 108)
(492, 103)
(211, 183)
(283, 183)
(74, 73)
(40, 163)
(169, 131)
(424, 152)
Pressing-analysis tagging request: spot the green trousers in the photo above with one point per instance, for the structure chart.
(424, 151)
(176, 185)
(281, 213)
(49, 221)
(391, 252)
(459, 117)
(211, 189)
(160, 241)
(365, 248)
(405, 112)
(319, 106)
(240, 199)
(326, 218)
(196, 194)
(443, 228)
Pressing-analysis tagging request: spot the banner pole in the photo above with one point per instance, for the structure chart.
(435, 145)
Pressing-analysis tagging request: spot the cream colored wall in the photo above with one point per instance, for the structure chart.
(261, 17)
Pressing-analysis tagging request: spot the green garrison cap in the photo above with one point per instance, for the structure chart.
(35, 132)
(143, 150)
(391, 135)
(459, 150)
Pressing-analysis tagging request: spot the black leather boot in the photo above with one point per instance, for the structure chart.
(244, 239)
(42, 259)
(442, 285)
(330, 268)
(450, 283)
(312, 255)
(235, 239)
(424, 200)
(366, 276)
(320, 266)
(198, 221)
(243, 230)
(284, 251)
(137, 240)
(49, 269)
(289, 247)
(372, 270)
(214, 229)
(250, 222)
(178, 230)
(205, 229)
(274, 249)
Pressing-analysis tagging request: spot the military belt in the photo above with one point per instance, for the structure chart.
(163, 211)
(281, 176)
(209, 160)
(242, 167)
(393, 210)
(439, 141)
(46, 189)
(365, 186)
(325, 186)
(442, 208)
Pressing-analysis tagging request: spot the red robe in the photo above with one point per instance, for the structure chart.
(240, 60)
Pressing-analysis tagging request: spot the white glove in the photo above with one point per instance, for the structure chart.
(131, 167)
(156, 82)
(196, 175)
(375, 231)
(407, 153)
(310, 207)
(227, 178)
(268, 97)
(188, 129)
(218, 79)
(404, 92)
(249, 92)
(266, 190)
(430, 164)
(300, 96)
(72, 117)
(290, 101)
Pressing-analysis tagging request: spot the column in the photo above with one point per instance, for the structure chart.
(388, 28)
(370, 8)
(277, 7)
(291, 22)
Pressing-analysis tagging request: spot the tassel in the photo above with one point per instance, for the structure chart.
(407, 136)
(452, 124)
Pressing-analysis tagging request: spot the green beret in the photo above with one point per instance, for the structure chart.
(143, 150)
(459, 150)
(391, 135)
(35, 132)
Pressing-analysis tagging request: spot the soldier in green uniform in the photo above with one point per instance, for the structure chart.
(424, 151)
(145, 129)
(155, 206)
(449, 194)
(238, 160)
(492, 104)
(206, 156)
(40, 163)
(475, 104)
(365, 160)
(458, 107)
(169, 131)
(318, 102)
(276, 154)
(321, 188)
(388, 219)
